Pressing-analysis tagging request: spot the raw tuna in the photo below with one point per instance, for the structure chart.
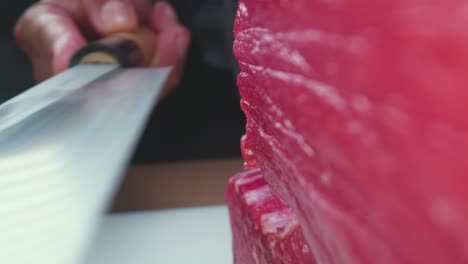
(356, 116)
(265, 229)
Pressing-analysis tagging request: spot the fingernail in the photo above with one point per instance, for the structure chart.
(165, 15)
(169, 13)
(115, 14)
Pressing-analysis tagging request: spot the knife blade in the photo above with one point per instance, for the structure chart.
(64, 145)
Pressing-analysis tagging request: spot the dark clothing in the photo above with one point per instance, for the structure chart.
(201, 119)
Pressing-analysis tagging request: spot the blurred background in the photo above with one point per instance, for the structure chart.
(201, 119)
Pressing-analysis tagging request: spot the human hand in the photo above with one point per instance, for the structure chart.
(51, 31)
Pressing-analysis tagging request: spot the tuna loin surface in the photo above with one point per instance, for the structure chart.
(265, 229)
(356, 116)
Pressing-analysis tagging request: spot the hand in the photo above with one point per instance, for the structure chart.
(51, 31)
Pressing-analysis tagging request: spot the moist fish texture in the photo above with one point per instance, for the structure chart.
(265, 229)
(356, 115)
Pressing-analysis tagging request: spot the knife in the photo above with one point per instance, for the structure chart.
(64, 145)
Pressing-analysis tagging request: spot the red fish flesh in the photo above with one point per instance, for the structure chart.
(356, 117)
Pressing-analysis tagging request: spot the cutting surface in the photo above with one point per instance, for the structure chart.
(178, 236)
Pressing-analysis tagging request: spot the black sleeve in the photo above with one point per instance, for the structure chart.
(9, 13)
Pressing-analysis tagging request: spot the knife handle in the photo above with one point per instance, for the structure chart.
(127, 49)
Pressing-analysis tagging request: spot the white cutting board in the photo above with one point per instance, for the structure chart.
(189, 236)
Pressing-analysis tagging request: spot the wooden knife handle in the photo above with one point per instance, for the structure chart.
(128, 49)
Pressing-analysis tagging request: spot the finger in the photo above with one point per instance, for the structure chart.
(171, 44)
(171, 48)
(110, 16)
(50, 37)
(73, 8)
(162, 17)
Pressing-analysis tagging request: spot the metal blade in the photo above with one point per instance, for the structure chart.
(63, 147)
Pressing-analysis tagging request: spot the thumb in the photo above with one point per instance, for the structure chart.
(110, 16)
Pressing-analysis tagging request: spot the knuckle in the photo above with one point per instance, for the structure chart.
(25, 21)
(31, 22)
(34, 30)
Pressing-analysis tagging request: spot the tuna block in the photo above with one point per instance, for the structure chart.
(265, 230)
(356, 115)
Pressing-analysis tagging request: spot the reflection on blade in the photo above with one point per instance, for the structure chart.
(45, 93)
(60, 164)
